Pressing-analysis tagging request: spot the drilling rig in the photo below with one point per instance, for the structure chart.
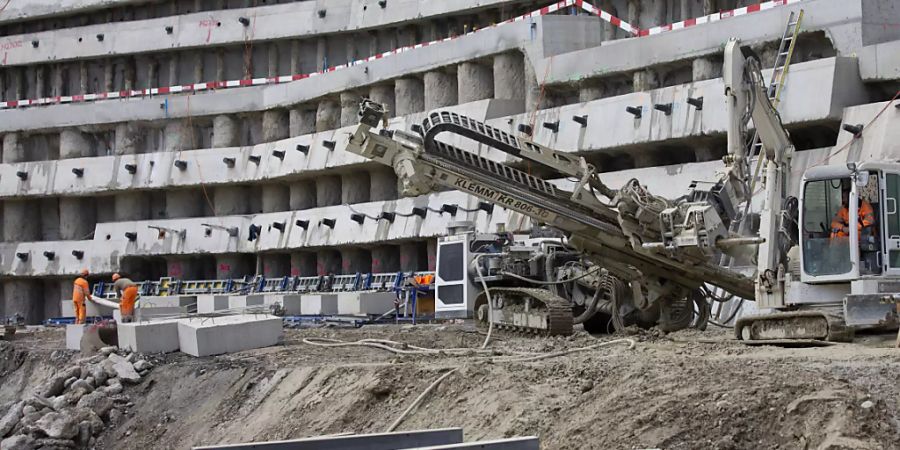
(626, 256)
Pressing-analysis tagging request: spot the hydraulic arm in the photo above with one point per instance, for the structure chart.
(612, 233)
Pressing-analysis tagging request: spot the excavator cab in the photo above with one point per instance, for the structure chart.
(850, 242)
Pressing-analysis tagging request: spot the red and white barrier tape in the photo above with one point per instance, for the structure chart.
(716, 17)
(213, 85)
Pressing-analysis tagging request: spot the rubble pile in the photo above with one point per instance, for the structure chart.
(72, 407)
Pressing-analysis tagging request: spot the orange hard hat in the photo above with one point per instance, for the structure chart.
(116, 276)
(84, 272)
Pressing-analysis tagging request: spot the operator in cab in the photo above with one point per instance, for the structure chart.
(841, 221)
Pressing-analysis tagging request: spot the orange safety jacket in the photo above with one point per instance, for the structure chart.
(81, 290)
(842, 219)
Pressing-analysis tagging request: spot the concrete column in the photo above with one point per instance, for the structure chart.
(321, 53)
(303, 264)
(532, 89)
(685, 9)
(705, 69)
(56, 81)
(231, 200)
(372, 36)
(184, 203)
(21, 221)
(13, 150)
(349, 108)
(133, 205)
(55, 291)
(385, 95)
(591, 91)
(431, 252)
(645, 80)
(275, 198)
(383, 184)
(475, 82)
(440, 90)
(176, 136)
(295, 56)
(710, 6)
(355, 260)
(633, 15)
(276, 265)
(406, 36)
(128, 137)
(385, 259)
(303, 195)
(272, 68)
(654, 13)
(644, 159)
(233, 266)
(198, 67)
(225, 132)
(302, 121)
(109, 76)
(77, 218)
(328, 116)
(355, 187)
(412, 256)
(609, 30)
(328, 190)
(220, 65)
(129, 74)
(49, 221)
(409, 94)
(25, 297)
(328, 262)
(83, 78)
(40, 81)
(152, 73)
(274, 125)
(74, 144)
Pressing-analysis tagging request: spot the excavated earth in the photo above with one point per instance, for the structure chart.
(686, 390)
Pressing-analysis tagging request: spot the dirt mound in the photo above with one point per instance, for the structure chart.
(678, 391)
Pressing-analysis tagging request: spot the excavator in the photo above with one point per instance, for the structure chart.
(625, 256)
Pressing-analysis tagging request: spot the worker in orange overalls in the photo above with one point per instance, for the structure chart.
(80, 293)
(841, 221)
(127, 292)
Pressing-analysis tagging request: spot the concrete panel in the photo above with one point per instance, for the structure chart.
(149, 337)
(365, 303)
(236, 302)
(186, 301)
(319, 304)
(228, 334)
(380, 441)
(73, 336)
(209, 303)
(142, 313)
(67, 309)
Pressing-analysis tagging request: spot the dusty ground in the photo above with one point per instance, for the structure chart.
(687, 390)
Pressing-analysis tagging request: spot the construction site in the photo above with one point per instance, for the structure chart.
(492, 224)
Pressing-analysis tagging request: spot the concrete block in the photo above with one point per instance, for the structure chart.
(289, 302)
(159, 312)
(318, 304)
(189, 301)
(215, 336)
(149, 337)
(244, 301)
(67, 309)
(365, 303)
(73, 336)
(208, 303)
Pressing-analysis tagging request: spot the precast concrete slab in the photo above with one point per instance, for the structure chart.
(205, 336)
(379, 441)
(245, 301)
(365, 303)
(209, 303)
(318, 304)
(73, 336)
(149, 337)
(289, 303)
(160, 312)
(188, 301)
(67, 309)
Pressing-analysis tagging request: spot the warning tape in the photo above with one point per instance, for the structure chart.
(215, 85)
(715, 17)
